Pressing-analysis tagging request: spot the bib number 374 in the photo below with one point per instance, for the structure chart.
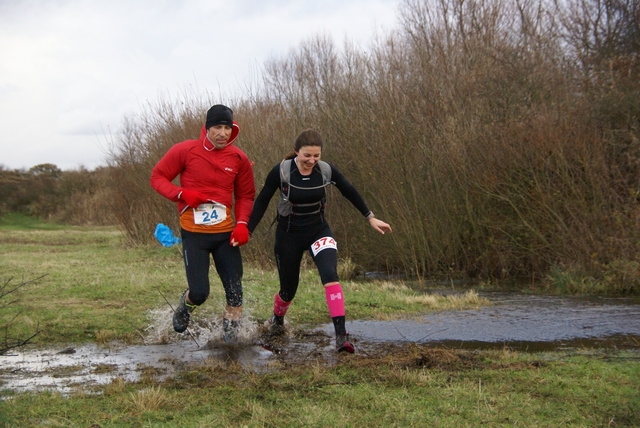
(323, 244)
(209, 214)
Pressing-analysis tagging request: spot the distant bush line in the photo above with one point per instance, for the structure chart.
(45, 191)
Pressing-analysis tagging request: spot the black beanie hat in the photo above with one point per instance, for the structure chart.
(219, 115)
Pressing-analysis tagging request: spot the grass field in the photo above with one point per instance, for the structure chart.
(80, 285)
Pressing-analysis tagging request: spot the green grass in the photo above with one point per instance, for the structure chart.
(87, 282)
(96, 287)
(16, 221)
(494, 388)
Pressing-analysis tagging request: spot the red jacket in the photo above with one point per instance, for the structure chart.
(221, 174)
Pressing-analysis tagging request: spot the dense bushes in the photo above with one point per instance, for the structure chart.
(44, 191)
(499, 138)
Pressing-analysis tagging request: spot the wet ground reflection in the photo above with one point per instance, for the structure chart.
(524, 322)
(517, 321)
(89, 365)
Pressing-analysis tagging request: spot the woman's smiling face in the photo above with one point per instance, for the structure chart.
(308, 156)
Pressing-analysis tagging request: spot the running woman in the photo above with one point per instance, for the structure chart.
(214, 177)
(302, 227)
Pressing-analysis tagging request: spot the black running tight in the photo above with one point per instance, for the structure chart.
(289, 249)
(197, 249)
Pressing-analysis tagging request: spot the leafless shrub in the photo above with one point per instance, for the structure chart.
(498, 138)
(6, 299)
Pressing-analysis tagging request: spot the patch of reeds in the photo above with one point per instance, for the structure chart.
(619, 277)
(148, 400)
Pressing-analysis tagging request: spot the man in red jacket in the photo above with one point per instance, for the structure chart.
(214, 177)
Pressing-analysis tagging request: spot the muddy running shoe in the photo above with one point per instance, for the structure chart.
(182, 314)
(229, 330)
(343, 344)
(275, 325)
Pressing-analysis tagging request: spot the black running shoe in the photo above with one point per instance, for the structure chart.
(275, 325)
(182, 314)
(343, 344)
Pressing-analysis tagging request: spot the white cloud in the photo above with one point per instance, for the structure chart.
(71, 70)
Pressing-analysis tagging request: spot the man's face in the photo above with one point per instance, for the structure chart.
(219, 135)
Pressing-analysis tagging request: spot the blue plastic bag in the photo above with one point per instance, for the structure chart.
(165, 235)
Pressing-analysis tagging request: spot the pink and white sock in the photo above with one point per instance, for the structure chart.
(335, 300)
(280, 306)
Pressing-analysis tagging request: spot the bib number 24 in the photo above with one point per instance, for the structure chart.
(209, 214)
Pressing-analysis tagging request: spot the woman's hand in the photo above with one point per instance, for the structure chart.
(379, 225)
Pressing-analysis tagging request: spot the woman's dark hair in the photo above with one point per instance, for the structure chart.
(308, 137)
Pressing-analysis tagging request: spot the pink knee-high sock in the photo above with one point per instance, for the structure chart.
(335, 300)
(280, 306)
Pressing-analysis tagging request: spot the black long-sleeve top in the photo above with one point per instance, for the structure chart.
(303, 196)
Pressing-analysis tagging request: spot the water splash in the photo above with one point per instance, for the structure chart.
(204, 328)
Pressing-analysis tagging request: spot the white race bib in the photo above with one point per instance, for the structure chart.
(209, 214)
(323, 244)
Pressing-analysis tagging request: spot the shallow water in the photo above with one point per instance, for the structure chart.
(517, 321)
(523, 322)
(91, 365)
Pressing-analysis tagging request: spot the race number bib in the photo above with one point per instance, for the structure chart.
(323, 244)
(209, 214)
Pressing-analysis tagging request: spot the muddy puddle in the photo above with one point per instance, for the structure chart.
(519, 322)
(89, 365)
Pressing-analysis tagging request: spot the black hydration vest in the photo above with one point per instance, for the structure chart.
(285, 207)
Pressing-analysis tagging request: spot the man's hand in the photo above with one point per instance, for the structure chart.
(240, 235)
(193, 198)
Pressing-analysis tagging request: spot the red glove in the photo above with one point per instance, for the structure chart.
(240, 235)
(193, 198)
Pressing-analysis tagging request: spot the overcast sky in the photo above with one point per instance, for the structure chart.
(71, 70)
